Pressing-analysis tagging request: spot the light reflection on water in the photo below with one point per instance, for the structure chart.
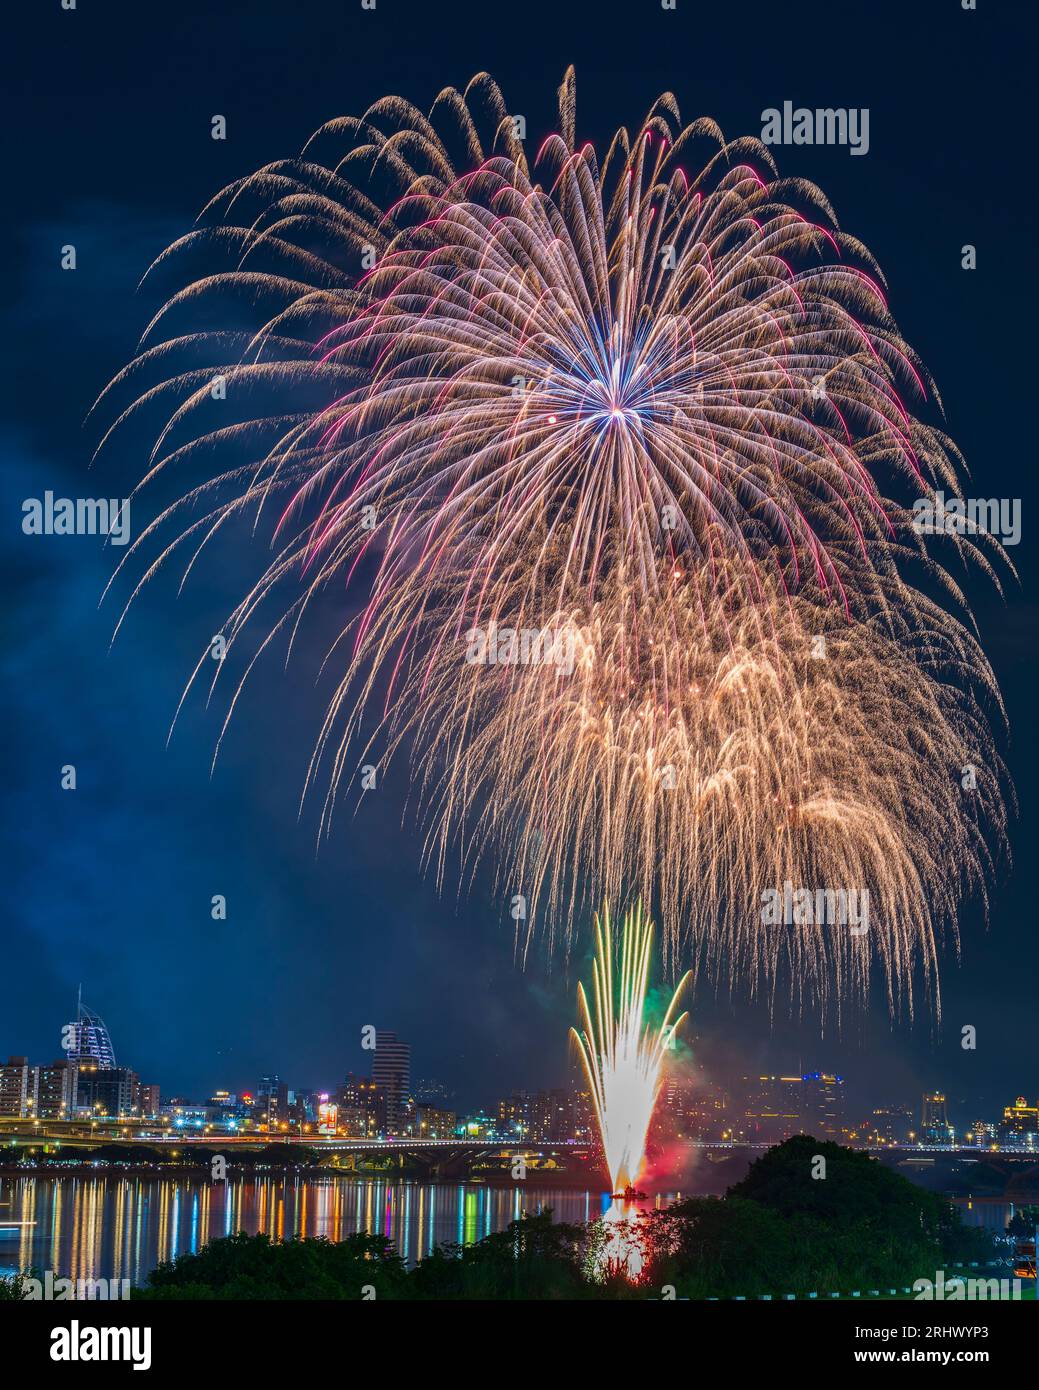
(108, 1227)
(993, 1213)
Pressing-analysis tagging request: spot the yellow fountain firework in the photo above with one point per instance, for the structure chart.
(622, 1054)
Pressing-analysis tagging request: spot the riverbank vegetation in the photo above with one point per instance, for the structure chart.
(808, 1217)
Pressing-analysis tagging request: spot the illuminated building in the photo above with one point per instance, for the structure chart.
(777, 1107)
(362, 1108)
(1020, 1126)
(148, 1101)
(514, 1116)
(430, 1122)
(691, 1107)
(887, 1125)
(107, 1091)
(391, 1069)
(56, 1090)
(545, 1116)
(583, 1124)
(304, 1106)
(182, 1114)
(88, 1040)
(983, 1133)
(771, 1108)
(15, 1094)
(822, 1105)
(557, 1116)
(478, 1126)
(232, 1111)
(934, 1121)
(271, 1108)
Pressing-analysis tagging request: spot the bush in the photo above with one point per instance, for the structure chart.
(254, 1267)
(780, 1230)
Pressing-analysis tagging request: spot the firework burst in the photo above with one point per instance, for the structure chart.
(706, 747)
(650, 397)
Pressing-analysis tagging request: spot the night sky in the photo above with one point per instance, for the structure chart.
(111, 884)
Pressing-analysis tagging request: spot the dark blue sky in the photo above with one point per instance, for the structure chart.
(111, 884)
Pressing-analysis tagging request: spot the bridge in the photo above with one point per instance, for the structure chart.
(703, 1164)
(454, 1158)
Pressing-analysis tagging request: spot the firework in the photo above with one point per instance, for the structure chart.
(622, 1054)
(703, 749)
(651, 399)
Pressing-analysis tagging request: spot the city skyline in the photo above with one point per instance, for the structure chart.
(92, 1049)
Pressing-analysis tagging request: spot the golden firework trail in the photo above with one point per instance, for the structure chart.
(705, 750)
(622, 1054)
(649, 404)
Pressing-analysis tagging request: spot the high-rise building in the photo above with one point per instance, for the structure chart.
(88, 1040)
(886, 1125)
(777, 1107)
(983, 1133)
(934, 1121)
(822, 1105)
(56, 1090)
(692, 1107)
(541, 1116)
(148, 1101)
(272, 1103)
(514, 1116)
(554, 1117)
(362, 1108)
(583, 1123)
(771, 1109)
(304, 1106)
(14, 1087)
(391, 1069)
(108, 1091)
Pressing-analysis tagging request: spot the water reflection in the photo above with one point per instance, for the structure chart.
(120, 1228)
(105, 1227)
(993, 1213)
